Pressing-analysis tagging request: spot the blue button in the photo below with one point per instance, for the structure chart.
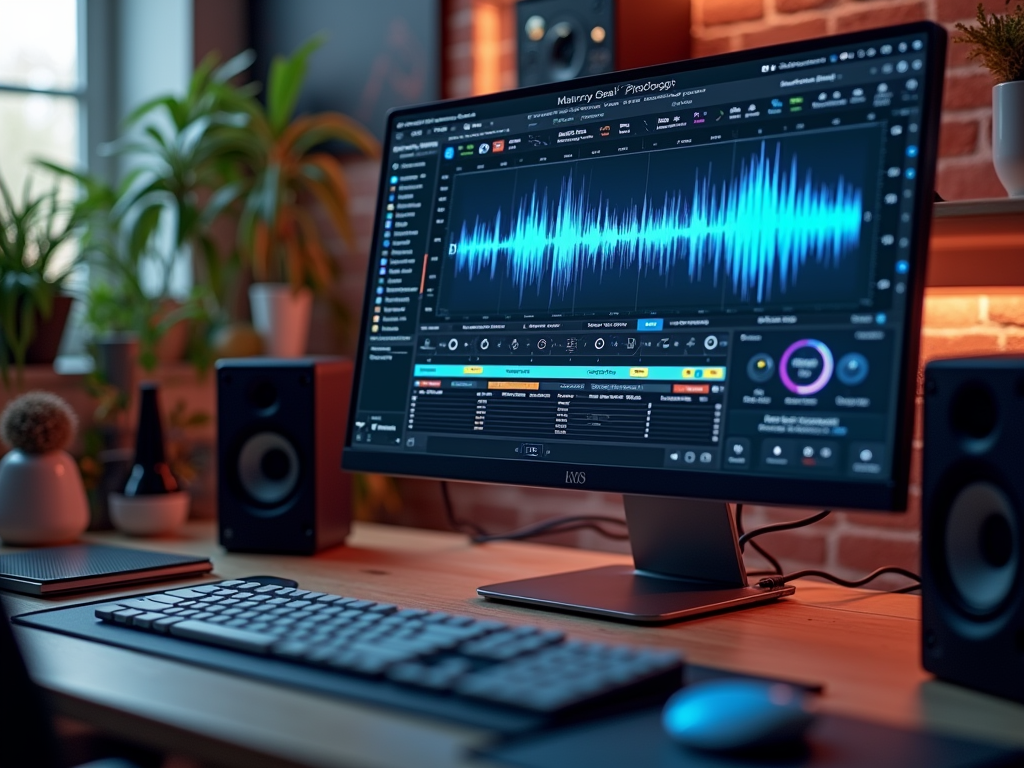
(910, 173)
(912, 151)
(651, 324)
(449, 153)
(902, 267)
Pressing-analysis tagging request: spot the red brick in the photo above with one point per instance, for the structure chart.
(935, 347)
(730, 11)
(951, 311)
(881, 15)
(1007, 309)
(806, 548)
(908, 521)
(792, 6)
(958, 137)
(1014, 344)
(866, 552)
(968, 181)
(785, 33)
(704, 46)
(965, 10)
(967, 91)
(775, 515)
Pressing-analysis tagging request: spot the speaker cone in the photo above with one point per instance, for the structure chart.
(268, 468)
(982, 553)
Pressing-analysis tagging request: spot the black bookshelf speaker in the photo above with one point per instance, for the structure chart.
(973, 524)
(280, 431)
(562, 39)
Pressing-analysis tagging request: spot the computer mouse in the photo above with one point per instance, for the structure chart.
(732, 715)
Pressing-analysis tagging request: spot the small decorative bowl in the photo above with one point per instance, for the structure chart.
(149, 515)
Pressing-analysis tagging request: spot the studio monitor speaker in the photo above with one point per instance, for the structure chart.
(562, 39)
(280, 431)
(973, 522)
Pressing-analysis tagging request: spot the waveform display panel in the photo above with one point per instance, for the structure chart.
(773, 222)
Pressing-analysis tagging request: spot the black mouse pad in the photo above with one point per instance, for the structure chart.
(833, 742)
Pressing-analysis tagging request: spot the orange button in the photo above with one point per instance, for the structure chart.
(690, 389)
(513, 385)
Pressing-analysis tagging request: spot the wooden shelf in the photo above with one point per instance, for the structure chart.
(977, 243)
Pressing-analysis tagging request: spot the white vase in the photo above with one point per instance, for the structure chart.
(155, 515)
(1008, 135)
(281, 317)
(42, 498)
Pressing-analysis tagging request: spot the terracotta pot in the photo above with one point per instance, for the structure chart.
(44, 347)
(281, 317)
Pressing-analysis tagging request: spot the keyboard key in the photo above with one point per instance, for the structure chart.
(227, 637)
(106, 613)
(122, 616)
(186, 594)
(360, 605)
(165, 598)
(231, 583)
(145, 621)
(162, 625)
(208, 589)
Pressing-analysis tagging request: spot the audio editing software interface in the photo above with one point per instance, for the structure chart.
(705, 272)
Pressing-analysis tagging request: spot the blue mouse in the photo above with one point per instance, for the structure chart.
(731, 714)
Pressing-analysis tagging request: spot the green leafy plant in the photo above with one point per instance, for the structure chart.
(997, 42)
(31, 235)
(287, 170)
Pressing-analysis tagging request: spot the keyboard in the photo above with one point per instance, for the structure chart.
(522, 668)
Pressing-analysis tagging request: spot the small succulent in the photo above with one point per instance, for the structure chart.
(998, 42)
(38, 422)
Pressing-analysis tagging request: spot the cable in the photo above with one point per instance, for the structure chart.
(454, 523)
(776, 567)
(778, 581)
(788, 526)
(556, 525)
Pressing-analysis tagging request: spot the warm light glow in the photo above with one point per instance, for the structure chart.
(486, 48)
(535, 28)
(597, 34)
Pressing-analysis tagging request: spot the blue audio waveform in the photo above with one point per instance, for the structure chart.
(760, 227)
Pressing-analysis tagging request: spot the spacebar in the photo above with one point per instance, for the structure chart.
(215, 634)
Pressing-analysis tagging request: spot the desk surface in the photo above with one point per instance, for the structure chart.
(863, 646)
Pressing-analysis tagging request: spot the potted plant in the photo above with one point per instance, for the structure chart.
(33, 270)
(998, 43)
(288, 169)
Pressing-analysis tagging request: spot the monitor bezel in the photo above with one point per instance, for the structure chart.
(886, 495)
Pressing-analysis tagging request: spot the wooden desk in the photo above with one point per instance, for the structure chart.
(863, 646)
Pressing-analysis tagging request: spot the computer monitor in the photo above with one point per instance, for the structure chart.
(692, 283)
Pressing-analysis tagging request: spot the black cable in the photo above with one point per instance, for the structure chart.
(788, 526)
(778, 581)
(454, 522)
(556, 525)
(776, 567)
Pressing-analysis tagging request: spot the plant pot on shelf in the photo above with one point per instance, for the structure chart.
(281, 317)
(1008, 135)
(42, 499)
(43, 349)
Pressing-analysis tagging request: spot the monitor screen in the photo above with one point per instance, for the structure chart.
(699, 279)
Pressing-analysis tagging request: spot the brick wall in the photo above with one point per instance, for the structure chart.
(955, 323)
(965, 168)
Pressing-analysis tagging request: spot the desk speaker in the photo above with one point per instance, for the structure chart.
(280, 430)
(562, 39)
(972, 524)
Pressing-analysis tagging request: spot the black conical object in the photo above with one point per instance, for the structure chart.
(150, 475)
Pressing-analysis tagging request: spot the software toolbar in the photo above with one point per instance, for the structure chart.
(704, 272)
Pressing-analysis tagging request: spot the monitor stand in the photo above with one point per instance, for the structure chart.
(687, 563)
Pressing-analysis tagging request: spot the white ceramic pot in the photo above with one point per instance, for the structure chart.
(1008, 135)
(42, 499)
(149, 515)
(281, 317)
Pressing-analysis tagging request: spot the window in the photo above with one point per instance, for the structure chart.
(42, 87)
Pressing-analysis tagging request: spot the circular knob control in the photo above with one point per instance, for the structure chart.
(806, 367)
(761, 368)
(852, 369)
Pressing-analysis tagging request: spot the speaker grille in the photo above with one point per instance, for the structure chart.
(268, 468)
(982, 555)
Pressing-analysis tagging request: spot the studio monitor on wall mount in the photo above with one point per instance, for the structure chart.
(280, 430)
(973, 523)
(562, 39)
